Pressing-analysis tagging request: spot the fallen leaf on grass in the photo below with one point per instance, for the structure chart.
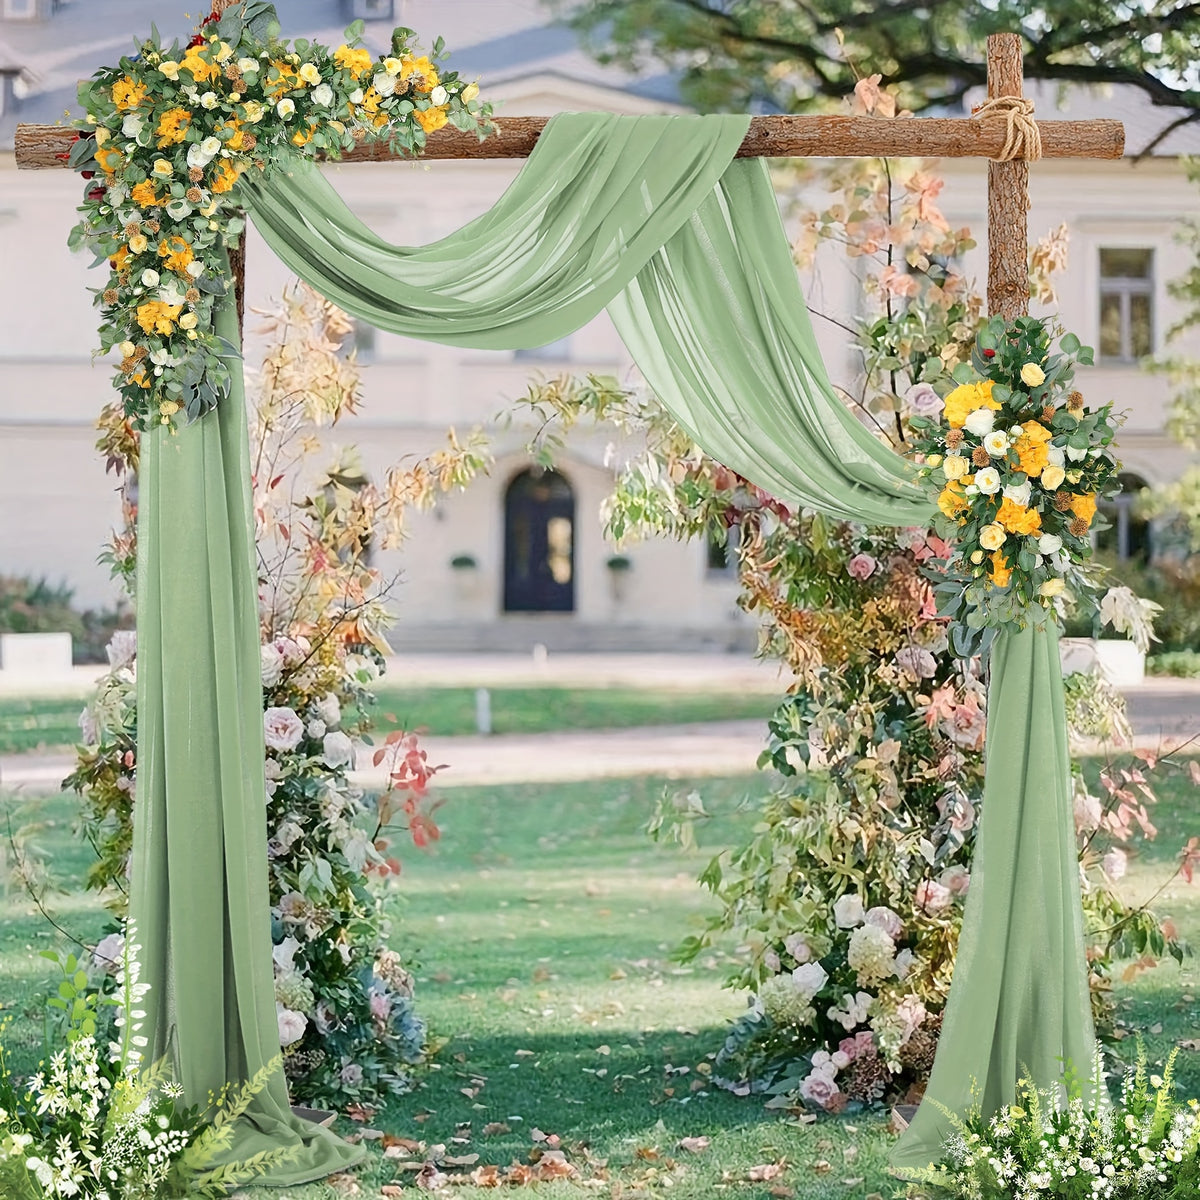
(390, 1190)
(693, 1145)
(486, 1177)
(553, 1165)
(822, 1166)
(765, 1172)
(781, 1191)
(360, 1112)
(430, 1179)
(1190, 1044)
(344, 1185)
(550, 1139)
(493, 1128)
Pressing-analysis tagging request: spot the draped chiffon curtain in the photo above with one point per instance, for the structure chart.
(655, 219)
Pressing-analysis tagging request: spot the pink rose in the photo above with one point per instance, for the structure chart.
(819, 1088)
(957, 879)
(849, 1047)
(1114, 863)
(923, 401)
(887, 920)
(381, 1006)
(861, 566)
(282, 728)
(932, 897)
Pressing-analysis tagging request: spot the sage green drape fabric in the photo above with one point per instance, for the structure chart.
(199, 902)
(653, 217)
(1019, 1002)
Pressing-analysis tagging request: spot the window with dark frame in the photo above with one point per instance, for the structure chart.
(1126, 303)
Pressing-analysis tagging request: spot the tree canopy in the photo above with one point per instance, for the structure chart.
(798, 55)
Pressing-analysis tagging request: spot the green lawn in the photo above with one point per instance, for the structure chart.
(32, 724)
(542, 926)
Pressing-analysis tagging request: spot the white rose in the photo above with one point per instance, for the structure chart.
(1114, 863)
(339, 750)
(291, 1025)
(132, 125)
(848, 910)
(809, 978)
(981, 421)
(286, 108)
(150, 277)
(1018, 493)
(438, 96)
(109, 954)
(285, 953)
(996, 442)
(246, 65)
(1075, 454)
(211, 146)
(322, 94)
(384, 84)
(904, 963)
(209, 100)
(282, 728)
(988, 481)
(1055, 456)
(315, 729)
(356, 96)
(329, 710)
(196, 155)
(122, 648)
(1049, 543)
(195, 268)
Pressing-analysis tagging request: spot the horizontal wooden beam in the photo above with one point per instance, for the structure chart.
(41, 146)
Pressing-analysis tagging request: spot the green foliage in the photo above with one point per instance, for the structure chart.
(799, 56)
(1183, 664)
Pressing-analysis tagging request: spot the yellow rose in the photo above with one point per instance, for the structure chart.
(1052, 587)
(127, 349)
(469, 92)
(102, 135)
(992, 537)
(138, 243)
(977, 557)
(1052, 477)
(309, 73)
(933, 460)
(225, 53)
(392, 66)
(169, 68)
(168, 408)
(954, 466)
(1032, 375)
(163, 167)
(188, 321)
(192, 334)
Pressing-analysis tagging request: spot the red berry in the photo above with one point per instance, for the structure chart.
(88, 174)
(989, 354)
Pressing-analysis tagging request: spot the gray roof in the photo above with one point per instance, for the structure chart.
(494, 40)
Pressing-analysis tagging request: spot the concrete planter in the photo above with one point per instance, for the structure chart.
(35, 656)
(1119, 660)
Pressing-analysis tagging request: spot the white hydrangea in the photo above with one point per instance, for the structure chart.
(872, 954)
(848, 910)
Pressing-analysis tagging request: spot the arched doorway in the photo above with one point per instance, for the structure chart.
(539, 543)
(1129, 537)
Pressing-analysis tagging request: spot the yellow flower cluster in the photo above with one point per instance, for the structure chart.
(354, 59)
(1032, 450)
(127, 94)
(1016, 518)
(157, 316)
(172, 126)
(965, 399)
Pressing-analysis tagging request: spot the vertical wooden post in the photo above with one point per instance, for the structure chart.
(237, 257)
(1008, 194)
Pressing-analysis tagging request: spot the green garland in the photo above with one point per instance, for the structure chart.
(166, 135)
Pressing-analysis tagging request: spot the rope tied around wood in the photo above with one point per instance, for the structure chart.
(1023, 138)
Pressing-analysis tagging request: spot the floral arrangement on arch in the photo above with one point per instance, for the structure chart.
(348, 1025)
(165, 137)
(844, 896)
(1018, 463)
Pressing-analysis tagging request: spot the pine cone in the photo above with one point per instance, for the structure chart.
(954, 439)
(980, 457)
(1048, 413)
(1062, 501)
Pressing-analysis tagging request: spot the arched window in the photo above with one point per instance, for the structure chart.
(1129, 537)
(539, 543)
